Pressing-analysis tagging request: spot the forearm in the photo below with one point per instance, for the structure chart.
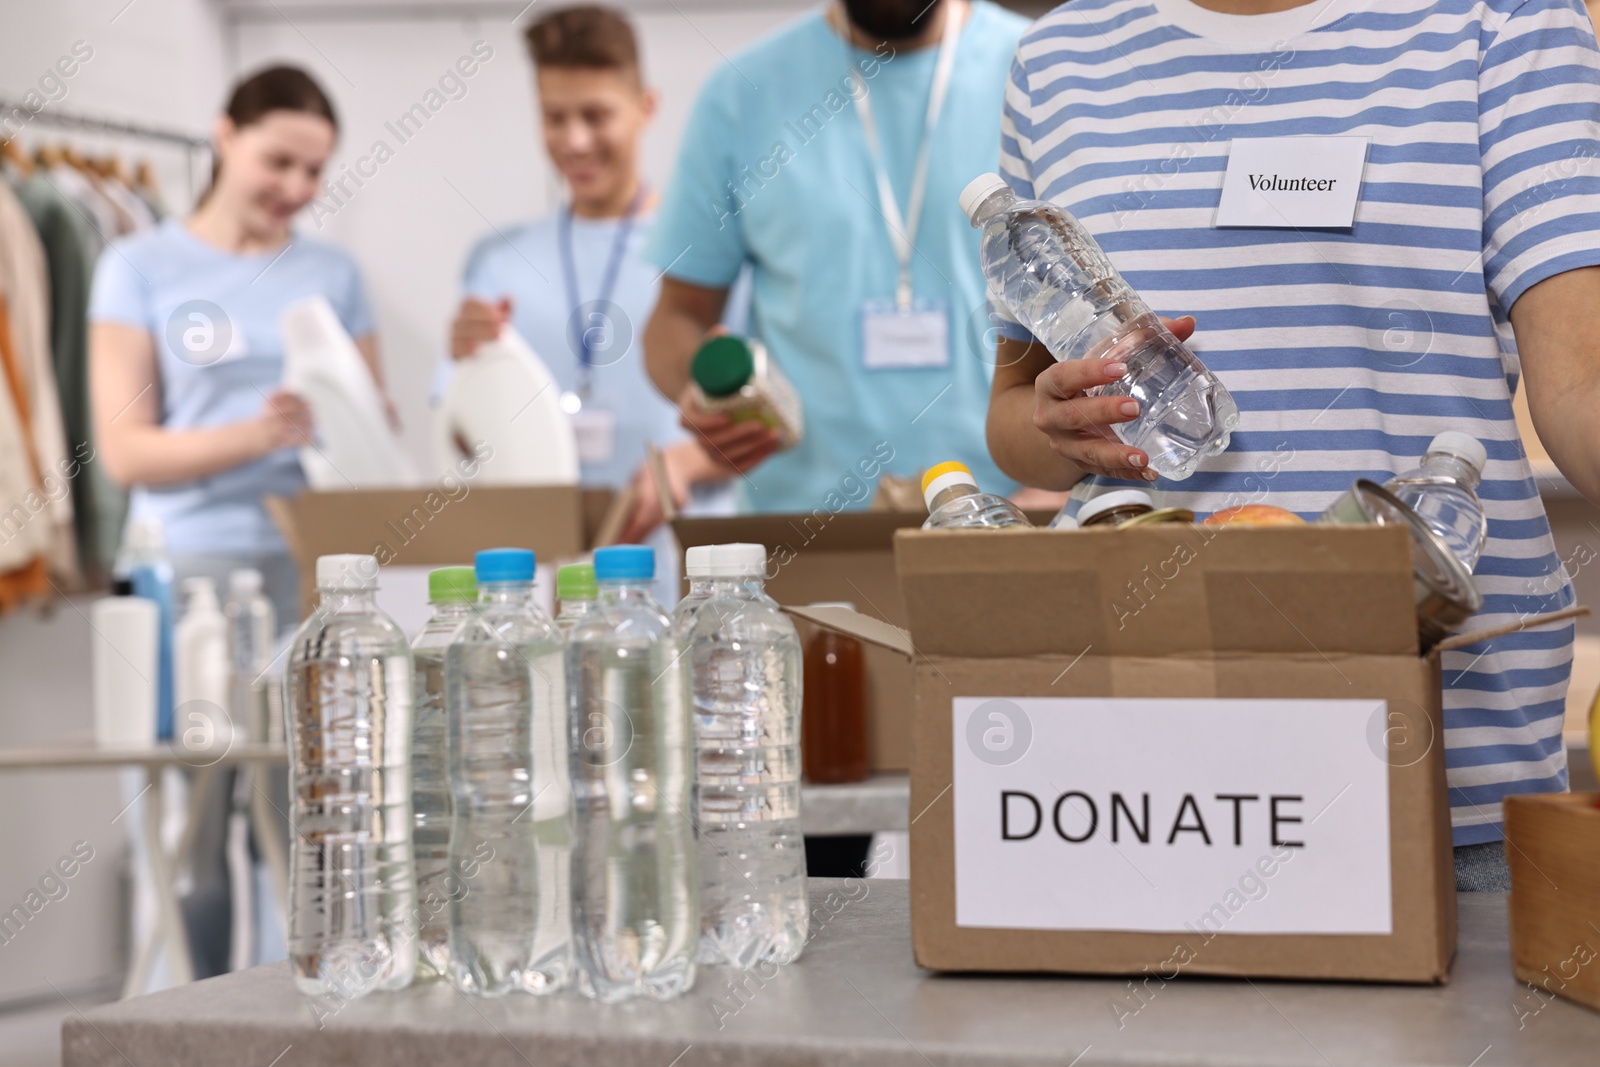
(694, 465)
(1021, 450)
(670, 342)
(1561, 371)
(153, 456)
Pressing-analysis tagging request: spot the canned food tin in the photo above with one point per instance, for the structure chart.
(1160, 515)
(1445, 594)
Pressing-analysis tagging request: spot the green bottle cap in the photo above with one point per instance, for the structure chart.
(576, 581)
(452, 584)
(722, 366)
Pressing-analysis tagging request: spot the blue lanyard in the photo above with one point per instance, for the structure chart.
(608, 282)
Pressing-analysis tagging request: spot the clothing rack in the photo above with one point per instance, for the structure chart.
(55, 117)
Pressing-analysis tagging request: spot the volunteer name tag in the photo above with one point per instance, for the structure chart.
(1292, 182)
(596, 431)
(1240, 816)
(894, 338)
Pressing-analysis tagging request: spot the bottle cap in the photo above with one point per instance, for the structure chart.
(697, 562)
(244, 582)
(453, 585)
(624, 563)
(722, 366)
(504, 565)
(739, 560)
(122, 587)
(145, 536)
(576, 581)
(937, 479)
(978, 190)
(1117, 498)
(1463, 446)
(347, 571)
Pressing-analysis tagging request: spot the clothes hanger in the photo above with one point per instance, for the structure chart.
(13, 154)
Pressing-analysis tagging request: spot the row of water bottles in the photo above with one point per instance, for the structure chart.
(604, 799)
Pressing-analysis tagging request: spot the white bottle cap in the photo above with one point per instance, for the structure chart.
(347, 571)
(738, 561)
(1117, 498)
(1462, 445)
(697, 562)
(200, 592)
(244, 582)
(145, 537)
(978, 190)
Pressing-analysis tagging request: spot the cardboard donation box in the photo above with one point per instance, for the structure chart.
(1553, 847)
(1173, 749)
(440, 525)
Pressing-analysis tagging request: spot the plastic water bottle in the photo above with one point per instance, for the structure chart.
(697, 569)
(635, 899)
(954, 501)
(1053, 277)
(200, 670)
(745, 672)
(509, 926)
(577, 593)
(1444, 491)
(252, 636)
(452, 591)
(142, 559)
(352, 903)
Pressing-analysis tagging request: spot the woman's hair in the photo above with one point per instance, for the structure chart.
(280, 88)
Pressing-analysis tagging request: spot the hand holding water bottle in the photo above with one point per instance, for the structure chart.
(1079, 426)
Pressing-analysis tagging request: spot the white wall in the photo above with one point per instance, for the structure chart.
(160, 62)
(478, 161)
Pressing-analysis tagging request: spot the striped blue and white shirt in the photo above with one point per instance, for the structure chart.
(1347, 351)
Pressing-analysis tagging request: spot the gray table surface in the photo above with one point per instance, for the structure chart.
(855, 998)
(882, 802)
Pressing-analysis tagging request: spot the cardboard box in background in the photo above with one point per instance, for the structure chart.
(430, 527)
(1554, 853)
(1231, 624)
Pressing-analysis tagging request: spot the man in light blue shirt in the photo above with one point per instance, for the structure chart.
(574, 284)
(800, 151)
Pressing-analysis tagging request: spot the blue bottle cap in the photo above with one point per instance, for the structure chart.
(504, 565)
(621, 563)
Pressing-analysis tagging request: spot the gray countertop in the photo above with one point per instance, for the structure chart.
(880, 803)
(855, 998)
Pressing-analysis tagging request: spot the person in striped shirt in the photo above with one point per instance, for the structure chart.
(1473, 262)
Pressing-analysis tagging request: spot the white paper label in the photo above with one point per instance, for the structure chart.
(896, 339)
(596, 431)
(1209, 816)
(1292, 182)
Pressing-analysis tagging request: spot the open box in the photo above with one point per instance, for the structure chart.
(1173, 749)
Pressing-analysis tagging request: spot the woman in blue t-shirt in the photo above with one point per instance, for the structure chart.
(184, 351)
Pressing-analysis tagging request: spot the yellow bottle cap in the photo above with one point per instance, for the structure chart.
(940, 471)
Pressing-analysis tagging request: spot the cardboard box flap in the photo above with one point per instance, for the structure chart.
(853, 623)
(1173, 590)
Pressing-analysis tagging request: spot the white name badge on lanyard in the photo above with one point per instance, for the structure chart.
(596, 431)
(1292, 182)
(896, 338)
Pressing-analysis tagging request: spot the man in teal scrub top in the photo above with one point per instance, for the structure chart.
(829, 158)
(574, 284)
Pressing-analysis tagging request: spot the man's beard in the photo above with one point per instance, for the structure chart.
(892, 20)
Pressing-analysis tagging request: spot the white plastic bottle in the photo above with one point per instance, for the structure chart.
(1053, 277)
(252, 635)
(1444, 491)
(352, 903)
(746, 676)
(202, 670)
(142, 559)
(511, 835)
(954, 501)
(124, 662)
(452, 592)
(635, 894)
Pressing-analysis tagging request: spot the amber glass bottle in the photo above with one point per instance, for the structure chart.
(833, 723)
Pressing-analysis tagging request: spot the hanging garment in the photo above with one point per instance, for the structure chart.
(25, 282)
(72, 245)
(24, 526)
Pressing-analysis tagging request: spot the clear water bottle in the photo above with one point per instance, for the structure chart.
(697, 569)
(1053, 277)
(506, 697)
(745, 673)
(1444, 491)
(252, 634)
(452, 591)
(635, 898)
(954, 501)
(352, 902)
(577, 592)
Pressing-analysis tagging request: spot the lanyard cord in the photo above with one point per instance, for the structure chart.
(608, 279)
